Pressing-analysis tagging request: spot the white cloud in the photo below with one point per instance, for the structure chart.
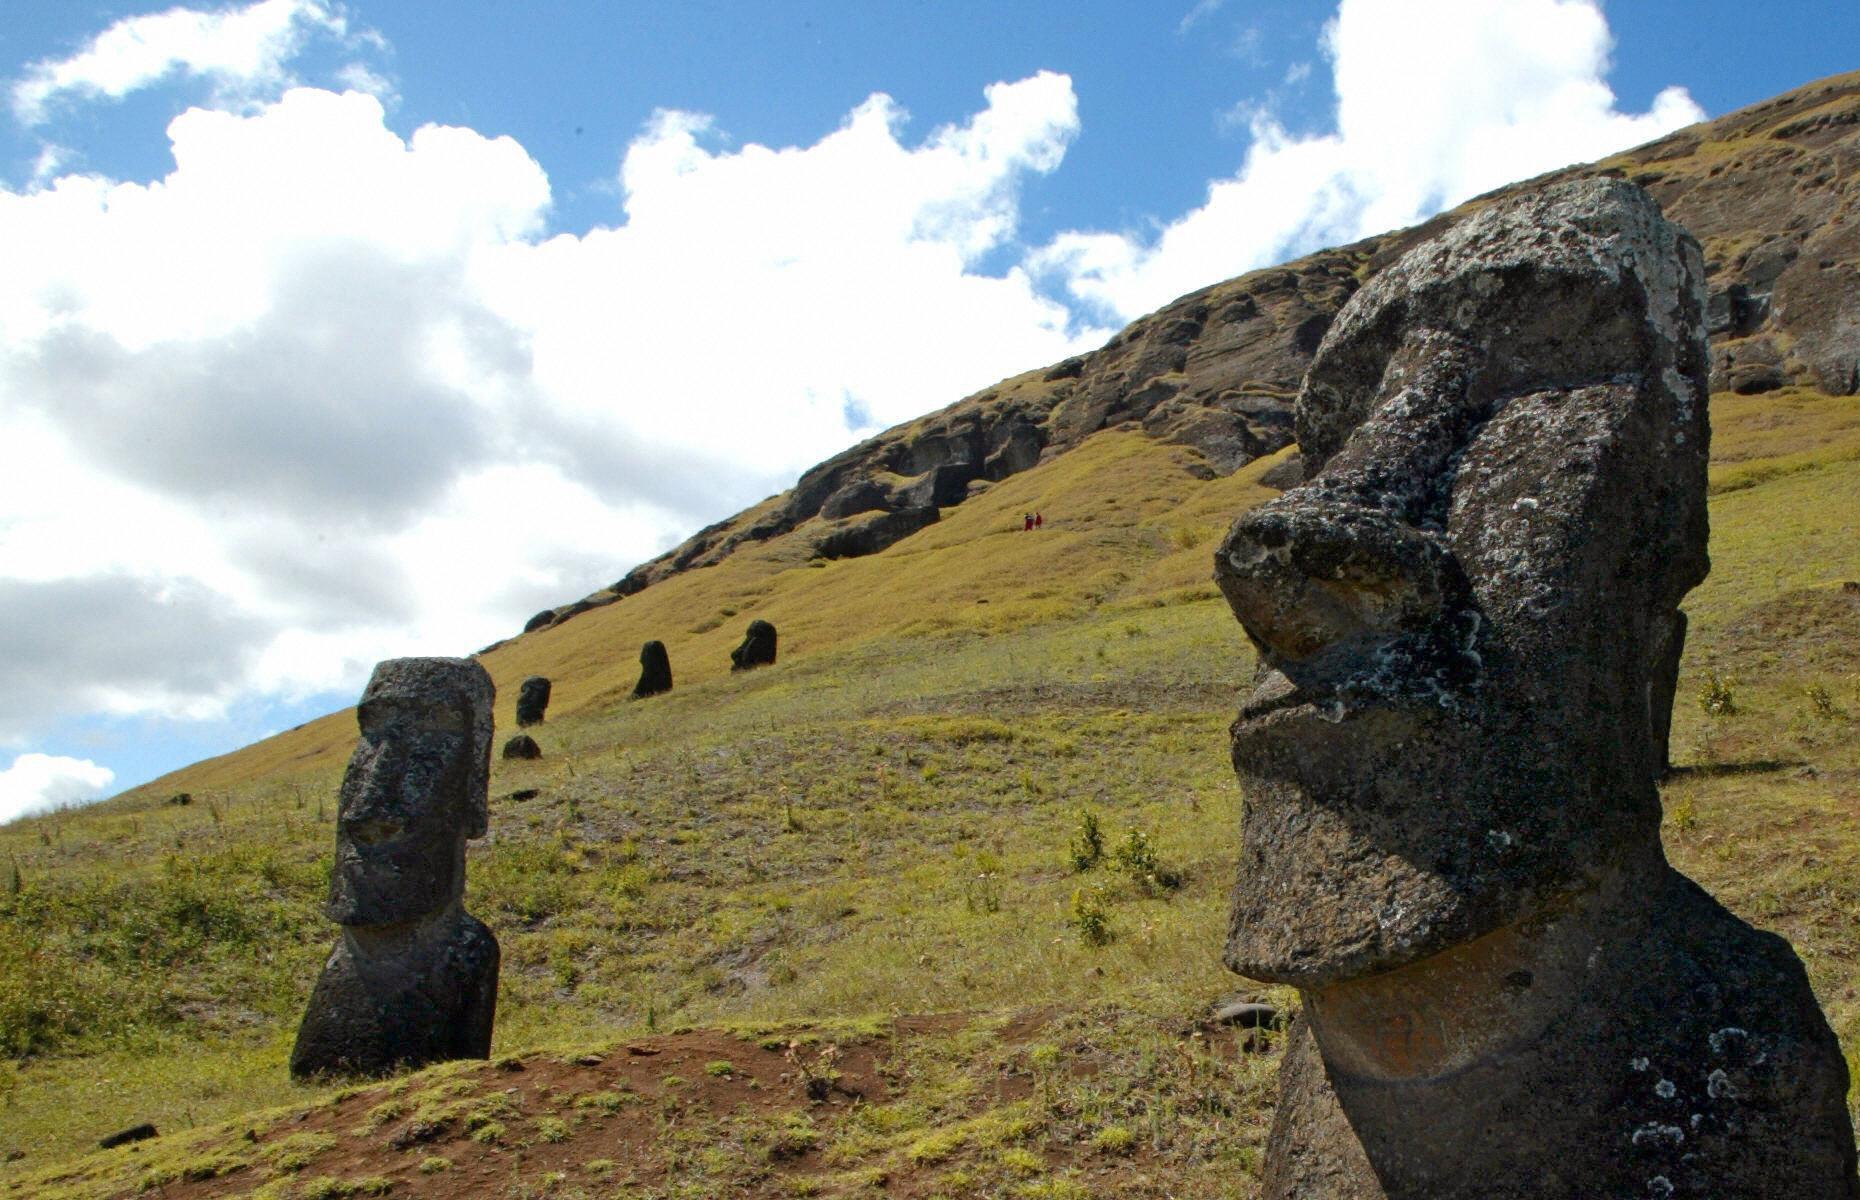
(1437, 101)
(42, 782)
(322, 394)
(240, 50)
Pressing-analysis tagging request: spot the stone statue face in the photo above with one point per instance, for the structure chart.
(413, 793)
(1457, 612)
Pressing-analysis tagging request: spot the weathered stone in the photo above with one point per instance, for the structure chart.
(861, 495)
(181, 799)
(413, 979)
(532, 700)
(541, 620)
(871, 534)
(522, 746)
(1465, 621)
(758, 648)
(655, 671)
(1247, 1014)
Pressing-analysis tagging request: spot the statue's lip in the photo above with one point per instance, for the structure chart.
(1276, 692)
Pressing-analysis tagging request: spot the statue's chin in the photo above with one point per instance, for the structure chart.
(363, 903)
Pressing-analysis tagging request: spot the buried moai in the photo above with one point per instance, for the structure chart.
(1467, 619)
(758, 648)
(532, 700)
(413, 979)
(655, 671)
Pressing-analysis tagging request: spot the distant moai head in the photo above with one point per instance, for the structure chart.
(757, 649)
(655, 670)
(1465, 612)
(533, 700)
(416, 789)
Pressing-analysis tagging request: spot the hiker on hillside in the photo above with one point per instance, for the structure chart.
(1038, 520)
(1028, 528)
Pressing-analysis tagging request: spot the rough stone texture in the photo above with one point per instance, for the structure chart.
(758, 648)
(541, 620)
(869, 535)
(1466, 618)
(532, 701)
(1773, 191)
(413, 979)
(655, 671)
(522, 746)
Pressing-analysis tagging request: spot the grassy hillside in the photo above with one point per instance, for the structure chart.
(877, 829)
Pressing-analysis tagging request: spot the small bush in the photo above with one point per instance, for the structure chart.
(1137, 858)
(434, 1164)
(1087, 847)
(1090, 917)
(720, 1068)
(1820, 703)
(551, 1130)
(1113, 1139)
(1717, 694)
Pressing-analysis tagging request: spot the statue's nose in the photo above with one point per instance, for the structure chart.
(1304, 577)
(371, 800)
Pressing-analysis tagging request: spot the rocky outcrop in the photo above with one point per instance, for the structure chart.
(870, 534)
(1467, 619)
(1772, 192)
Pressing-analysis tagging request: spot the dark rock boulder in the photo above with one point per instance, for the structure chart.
(758, 648)
(655, 671)
(871, 534)
(541, 620)
(861, 495)
(532, 700)
(522, 746)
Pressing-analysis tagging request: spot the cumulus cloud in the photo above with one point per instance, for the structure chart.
(240, 50)
(42, 782)
(277, 411)
(1423, 121)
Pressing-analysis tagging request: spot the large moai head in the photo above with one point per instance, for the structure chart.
(415, 791)
(1465, 612)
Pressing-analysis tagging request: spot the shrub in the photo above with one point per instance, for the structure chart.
(1088, 844)
(1137, 857)
(1090, 917)
(1717, 694)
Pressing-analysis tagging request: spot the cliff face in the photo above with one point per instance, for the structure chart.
(1771, 191)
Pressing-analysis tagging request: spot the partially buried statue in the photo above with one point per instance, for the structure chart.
(414, 978)
(758, 648)
(655, 671)
(1467, 620)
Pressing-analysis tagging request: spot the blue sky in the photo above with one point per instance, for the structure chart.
(312, 305)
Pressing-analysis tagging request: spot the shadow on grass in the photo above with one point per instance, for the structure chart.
(1755, 766)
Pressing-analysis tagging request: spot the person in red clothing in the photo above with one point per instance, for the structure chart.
(1038, 520)
(1029, 526)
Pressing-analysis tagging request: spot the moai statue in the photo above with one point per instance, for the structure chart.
(655, 671)
(758, 648)
(522, 746)
(532, 701)
(1466, 618)
(413, 979)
